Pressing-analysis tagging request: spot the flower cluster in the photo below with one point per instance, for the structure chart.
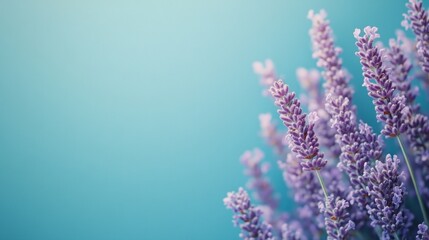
(391, 109)
(315, 100)
(338, 224)
(328, 56)
(423, 233)
(292, 232)
(339, 172)
(418, 20)
(386, 190)
(258, 182)
(247, 217)
(270, 133)
(302, 139)
(400, 68)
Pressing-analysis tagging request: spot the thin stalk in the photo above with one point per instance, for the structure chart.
(322, 184)
(359, 235)
(396, 236)
(413, 179)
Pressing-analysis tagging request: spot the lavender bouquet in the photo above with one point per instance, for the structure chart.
(345, 183)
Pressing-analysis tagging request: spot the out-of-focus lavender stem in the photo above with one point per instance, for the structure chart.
(413, 179)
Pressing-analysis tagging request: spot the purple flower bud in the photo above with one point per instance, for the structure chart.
(247, 217)
(306, 191)
(315, 100)
(292, 231)
(386, 190)
(417, 19)
(324, 50)
(263, 191)
(371, 143)
(337, 218)
(423, 232)
(390, 109)
(270, 133)
(301, 136)
(358, 146)
(400, 68)
(418, 138)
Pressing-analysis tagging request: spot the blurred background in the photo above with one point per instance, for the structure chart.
(126, 119)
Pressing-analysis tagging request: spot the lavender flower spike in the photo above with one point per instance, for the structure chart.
(315, 100)
(337, 220)
(258, 182)
(324, 50)
(247, 217)
(423, 233)
(390, 109)
(302, 139)
(270, 133)
(418, 20)
(292, 232)
(400, 68)
(386, 189)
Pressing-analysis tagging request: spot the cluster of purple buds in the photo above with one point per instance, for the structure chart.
(418, 137)
(324, 50)
(302, 139)
(247, 217)
(418, 20)
(423, 232)
(391, 109)
(386, 190)
(371, 143)
(337, 218)
(293, 231)
(270, 133)
(315, 101)
(399, 73)
(306, 190)
(258, 182)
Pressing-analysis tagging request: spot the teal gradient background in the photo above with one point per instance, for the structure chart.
(126, 119)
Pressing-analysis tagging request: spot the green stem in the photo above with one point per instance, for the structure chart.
(359, 235)
(413, 179)
(396, 236)
(322, 184)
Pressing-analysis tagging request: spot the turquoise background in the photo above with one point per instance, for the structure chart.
(126, 119)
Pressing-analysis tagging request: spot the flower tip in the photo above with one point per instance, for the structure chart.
(356, 33)
(313, 117)
(257, 67)
(310, 14)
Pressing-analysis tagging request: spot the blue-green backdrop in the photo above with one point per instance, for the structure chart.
(125, 119)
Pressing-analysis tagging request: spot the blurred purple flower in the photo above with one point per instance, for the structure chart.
(247, 217)
(293, 231)
(259, 183)
(324, 50)
(423, 232)
(267, 74)
(417, 19)
(315, 100)
(271, 135)
(400, 68)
